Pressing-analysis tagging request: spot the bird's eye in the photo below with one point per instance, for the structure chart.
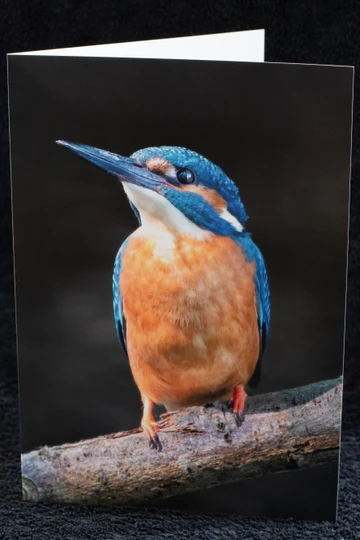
(185, 176)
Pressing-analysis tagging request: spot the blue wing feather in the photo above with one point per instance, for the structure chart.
(262, 296)
(120, 321)
(263, 299)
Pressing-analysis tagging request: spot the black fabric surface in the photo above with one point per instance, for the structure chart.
(314, 32)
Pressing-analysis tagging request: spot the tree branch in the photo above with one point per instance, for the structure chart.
(202, 447)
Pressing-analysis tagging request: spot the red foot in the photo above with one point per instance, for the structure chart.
(238, 404)
(149, 425)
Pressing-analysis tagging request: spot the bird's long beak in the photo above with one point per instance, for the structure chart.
(125, 168)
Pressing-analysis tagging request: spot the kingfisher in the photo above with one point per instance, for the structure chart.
(191, 297)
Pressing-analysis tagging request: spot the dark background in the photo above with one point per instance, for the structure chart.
(295, 32)
(282, 132)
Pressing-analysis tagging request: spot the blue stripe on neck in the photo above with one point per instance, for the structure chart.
(197, 210)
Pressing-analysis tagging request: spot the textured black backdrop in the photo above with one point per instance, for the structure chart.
(300, 32)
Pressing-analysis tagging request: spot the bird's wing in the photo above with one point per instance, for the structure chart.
(262, 300)
(120, 321)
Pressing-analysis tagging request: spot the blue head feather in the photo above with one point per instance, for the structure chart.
(206, 173)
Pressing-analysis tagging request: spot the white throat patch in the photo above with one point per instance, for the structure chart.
(157, 213)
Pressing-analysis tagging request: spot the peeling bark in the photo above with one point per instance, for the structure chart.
(202, 447)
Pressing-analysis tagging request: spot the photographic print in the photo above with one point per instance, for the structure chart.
(180, 248)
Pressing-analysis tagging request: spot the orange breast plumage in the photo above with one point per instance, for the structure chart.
(191, 321)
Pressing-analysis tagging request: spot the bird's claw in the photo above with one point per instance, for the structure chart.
(239, 416)
(150, 429)
(154, 442)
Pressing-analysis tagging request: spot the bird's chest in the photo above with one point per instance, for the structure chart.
(190, 312)
(188, 284)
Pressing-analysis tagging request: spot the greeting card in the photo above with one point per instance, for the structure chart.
(180, 216)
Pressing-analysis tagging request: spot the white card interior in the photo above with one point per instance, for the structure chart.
(247, 46)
